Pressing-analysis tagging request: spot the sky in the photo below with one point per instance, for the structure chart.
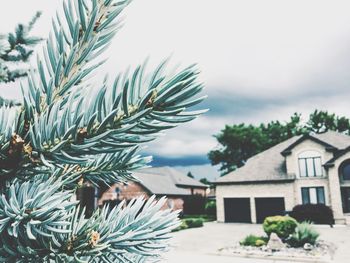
(260, 60)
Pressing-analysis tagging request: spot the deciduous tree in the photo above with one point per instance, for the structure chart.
(239, 142)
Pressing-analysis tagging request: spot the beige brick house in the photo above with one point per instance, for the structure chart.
(305, 169)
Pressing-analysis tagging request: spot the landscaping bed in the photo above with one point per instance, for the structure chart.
(284, 239)
(321, 252)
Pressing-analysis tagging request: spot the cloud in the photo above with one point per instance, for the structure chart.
(260, 60)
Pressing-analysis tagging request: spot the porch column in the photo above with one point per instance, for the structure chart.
(335, 195)
(252, 210)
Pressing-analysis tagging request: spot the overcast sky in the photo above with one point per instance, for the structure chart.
(261, 60)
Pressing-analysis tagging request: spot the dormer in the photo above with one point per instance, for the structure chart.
(307, 155)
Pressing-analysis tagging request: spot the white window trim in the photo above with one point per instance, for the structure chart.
(305, 154)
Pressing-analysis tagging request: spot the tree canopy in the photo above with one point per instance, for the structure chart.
(189, 174)
(239, 142)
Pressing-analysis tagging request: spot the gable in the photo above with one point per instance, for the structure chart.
(307, 146)
(304, 140)
(331, 141)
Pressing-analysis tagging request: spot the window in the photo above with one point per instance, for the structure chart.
(171, 203)
(313, 195)
(346, 172)
(310, 164)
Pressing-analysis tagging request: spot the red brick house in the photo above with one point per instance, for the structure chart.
(159, 181)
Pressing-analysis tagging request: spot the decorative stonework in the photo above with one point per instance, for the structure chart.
(321, 252)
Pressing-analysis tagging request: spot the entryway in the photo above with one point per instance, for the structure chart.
(345, 196)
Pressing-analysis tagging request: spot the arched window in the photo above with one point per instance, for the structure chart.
(310, 164)
(345, 171)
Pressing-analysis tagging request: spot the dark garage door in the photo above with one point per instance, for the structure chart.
(268, 207)
(237, 210)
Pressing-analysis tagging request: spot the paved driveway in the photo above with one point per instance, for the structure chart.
(200, 245)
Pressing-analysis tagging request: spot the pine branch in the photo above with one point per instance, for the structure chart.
(112, 123)
(51, 230)
(72, 47)
(65, 134)
(140, 229)
(33, 215)
(111, 168)
(17, 47)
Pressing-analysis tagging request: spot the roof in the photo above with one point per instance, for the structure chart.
(333, 141)
(269, 165)
(336, 139)
(166, 181)
(265, 166)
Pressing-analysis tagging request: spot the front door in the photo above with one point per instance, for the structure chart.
(345, 195)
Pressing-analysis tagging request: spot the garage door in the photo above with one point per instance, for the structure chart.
(237, 210)
(268, 207)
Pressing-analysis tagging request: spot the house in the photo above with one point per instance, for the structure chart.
(313, 168)
(159, 181)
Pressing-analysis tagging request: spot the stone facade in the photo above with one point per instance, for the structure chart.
(252, 191)
(291, 191)
(335, 186)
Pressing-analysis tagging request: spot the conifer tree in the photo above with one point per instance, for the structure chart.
(68, 132)
(15, 48)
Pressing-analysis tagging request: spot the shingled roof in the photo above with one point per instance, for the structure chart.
(269, 165)
(336, 139)
(166, 181)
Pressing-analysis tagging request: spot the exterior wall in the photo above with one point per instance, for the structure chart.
(329, 180)
(252, 191)
(133, 190)
(193, 190)
(291, 191)
(128, 192)
(199, 191)
(175, 203)
(338, 163)
(307, 145)
(311, 182)
(335, 184)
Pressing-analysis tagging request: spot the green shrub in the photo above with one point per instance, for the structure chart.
(260, 243)
(183, 226)
(210, 208)
(194, 222)
(205, 218)
(254, 241)
(190, 223)
(283, 226)
(304, 233)
(315, 213)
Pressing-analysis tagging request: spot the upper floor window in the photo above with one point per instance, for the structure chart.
(346, 171)
(310, 164)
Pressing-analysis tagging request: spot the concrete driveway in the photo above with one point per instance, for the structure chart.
(201, 244)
